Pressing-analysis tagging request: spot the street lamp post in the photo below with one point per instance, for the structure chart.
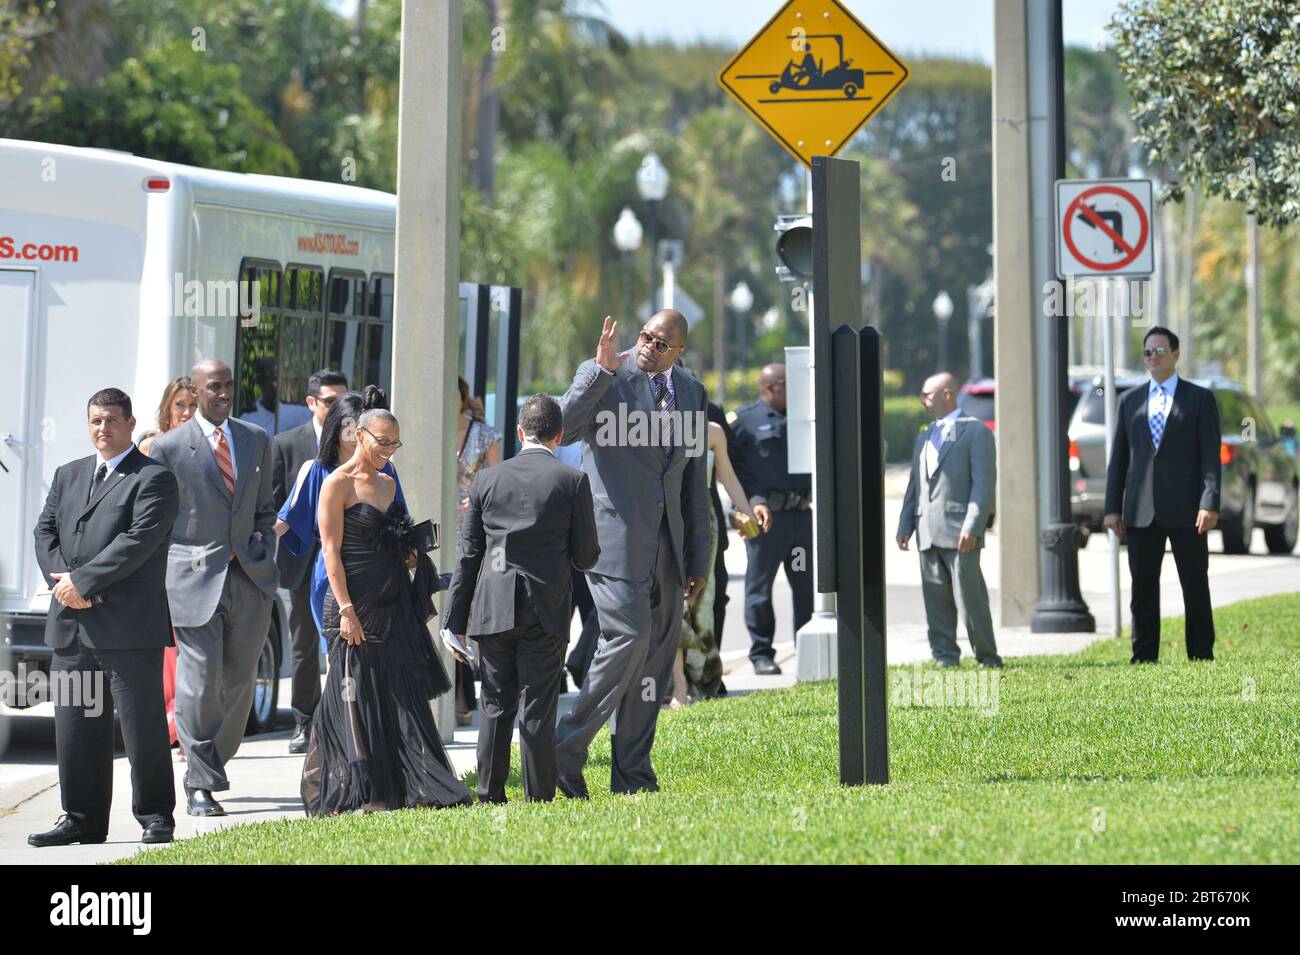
(652, 185)
(942, 312)
(741, 300)
(627, 239)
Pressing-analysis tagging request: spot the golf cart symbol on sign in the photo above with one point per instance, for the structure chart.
(809, 75)
(813, 76)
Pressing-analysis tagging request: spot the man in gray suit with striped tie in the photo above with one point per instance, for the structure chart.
(947, 504)
(221, 577)
(644, 425)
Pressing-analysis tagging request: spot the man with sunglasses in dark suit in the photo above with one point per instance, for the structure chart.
(1162, 483)
(290, 450)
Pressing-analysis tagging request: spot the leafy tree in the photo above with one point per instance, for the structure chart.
(171, 104)
(1216, 95)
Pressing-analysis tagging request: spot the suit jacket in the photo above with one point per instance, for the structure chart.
(958, 497)
(532, 518)
(1170, 485)
(115, 546)
(212, 524)
(635, 485)
(290, 450)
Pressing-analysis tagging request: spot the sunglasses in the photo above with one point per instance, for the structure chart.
(382, 442)
(328, 402)
(661, 346)
(1158, 350)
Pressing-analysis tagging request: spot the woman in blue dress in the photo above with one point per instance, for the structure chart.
(297, 525)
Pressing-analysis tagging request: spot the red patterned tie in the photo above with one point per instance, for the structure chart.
(223, 462)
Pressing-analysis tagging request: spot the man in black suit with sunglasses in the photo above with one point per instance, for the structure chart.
(1162, 483)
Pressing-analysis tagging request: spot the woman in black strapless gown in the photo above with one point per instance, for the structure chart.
(374, 742)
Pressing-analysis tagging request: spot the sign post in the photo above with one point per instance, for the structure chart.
(813, 77)
(1104, 229)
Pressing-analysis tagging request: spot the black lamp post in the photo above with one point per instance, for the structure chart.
(652, 184)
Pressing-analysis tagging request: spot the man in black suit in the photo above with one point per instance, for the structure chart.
(101, 543)
(1162, 483)
(290, 450)
(530, 521)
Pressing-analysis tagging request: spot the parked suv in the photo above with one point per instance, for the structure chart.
(1259, 483)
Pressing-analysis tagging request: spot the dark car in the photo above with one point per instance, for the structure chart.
(1259, 485)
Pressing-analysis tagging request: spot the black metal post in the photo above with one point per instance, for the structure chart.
(1061, 607)
(860, 556)
(507, 376)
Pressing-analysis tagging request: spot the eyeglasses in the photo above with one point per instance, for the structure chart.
(1158, 350)
(327, 401)
(777, 383)
(382, 442)
(931, 394)
(661, 346)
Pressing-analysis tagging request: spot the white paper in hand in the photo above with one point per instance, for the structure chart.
(456, 645)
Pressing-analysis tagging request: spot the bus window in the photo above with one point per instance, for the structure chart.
(257, 349)
(301, 332)
(379, 355)
(345, 340)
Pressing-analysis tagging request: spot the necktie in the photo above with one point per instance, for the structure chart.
(663, 399)
(224, 464)
(1158, 419)
(101, 474)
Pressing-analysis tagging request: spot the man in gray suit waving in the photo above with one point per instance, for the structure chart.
(948, 501)
(644, 427)
(221, 577)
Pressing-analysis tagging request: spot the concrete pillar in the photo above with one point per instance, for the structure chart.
(1018, 322)
(425, 296)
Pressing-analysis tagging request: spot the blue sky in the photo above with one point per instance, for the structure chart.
(951, 27)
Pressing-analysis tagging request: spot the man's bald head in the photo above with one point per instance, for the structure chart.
(666, 325)
(771, 386)
(214, 389)
(939, 394)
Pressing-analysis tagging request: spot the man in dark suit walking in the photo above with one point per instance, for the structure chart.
(532, 519)
(1162, 483)
(290, 450)
(101, 543)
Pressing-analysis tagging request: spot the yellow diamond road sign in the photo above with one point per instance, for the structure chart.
(813, 76)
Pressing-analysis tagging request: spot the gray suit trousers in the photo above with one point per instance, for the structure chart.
(215, 669)
(629, 675)
(949, 580)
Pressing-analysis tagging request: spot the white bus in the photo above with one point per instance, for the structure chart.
(117, 271)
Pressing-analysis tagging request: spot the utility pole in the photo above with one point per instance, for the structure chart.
(1252, 306)
(426, 287)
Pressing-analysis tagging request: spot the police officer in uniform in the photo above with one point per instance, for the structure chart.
(782, 503)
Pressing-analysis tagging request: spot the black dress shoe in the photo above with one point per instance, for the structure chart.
(157, 831)
(199, 802)
(66, 832)
(574, 787)
(298, 745)
(766, 667)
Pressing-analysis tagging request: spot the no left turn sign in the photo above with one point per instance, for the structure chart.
(1103, 227)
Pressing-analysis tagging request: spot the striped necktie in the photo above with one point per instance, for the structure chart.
(663, 399)
(1158, 419)
(224, 464)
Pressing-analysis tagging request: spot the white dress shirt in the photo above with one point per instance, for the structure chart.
(210, 432)
(942, 426)
(113, 462)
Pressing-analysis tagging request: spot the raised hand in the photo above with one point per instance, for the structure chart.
(606, 355)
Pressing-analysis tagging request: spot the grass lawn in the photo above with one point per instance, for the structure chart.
(1084, 758)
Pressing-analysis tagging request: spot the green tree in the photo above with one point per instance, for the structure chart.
(1216, 92)
(170, 105)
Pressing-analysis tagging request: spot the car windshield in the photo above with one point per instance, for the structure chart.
(1094, 405)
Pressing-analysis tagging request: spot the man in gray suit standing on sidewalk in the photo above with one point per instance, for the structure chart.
(948, 501)
(221, 577)
(644, 424)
